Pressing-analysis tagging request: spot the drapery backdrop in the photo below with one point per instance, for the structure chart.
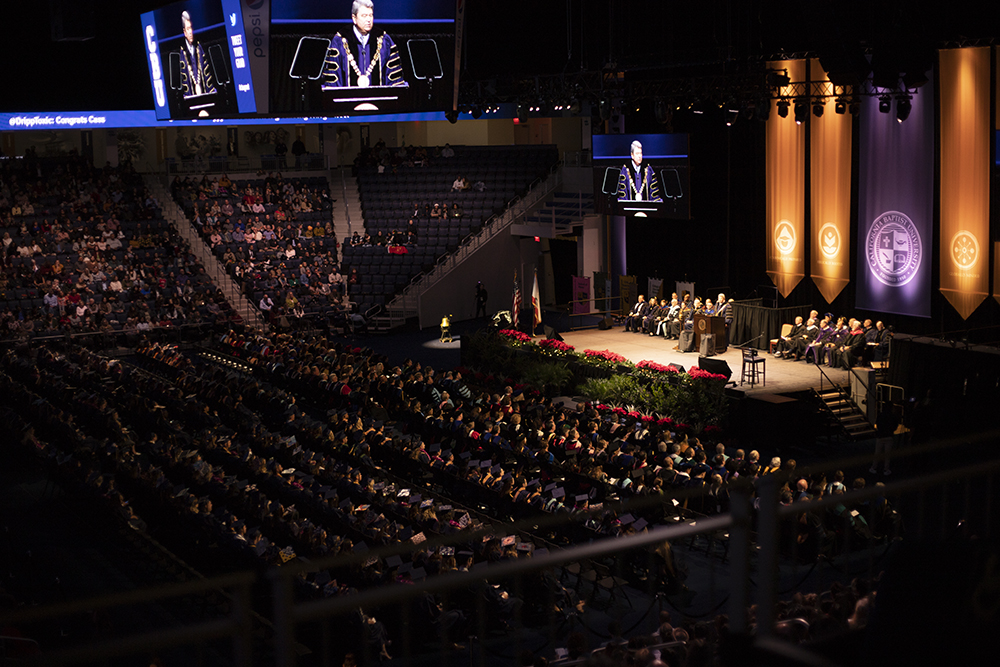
(895, 207)
(964, 91)
(786, 190)
(829, 195)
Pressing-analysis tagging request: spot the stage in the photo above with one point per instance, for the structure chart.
(781, 376)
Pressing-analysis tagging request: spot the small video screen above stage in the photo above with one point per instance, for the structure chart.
(341, 57)
(197, 53)
(642, 175)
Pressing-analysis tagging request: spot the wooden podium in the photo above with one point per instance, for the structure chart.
(710, 324)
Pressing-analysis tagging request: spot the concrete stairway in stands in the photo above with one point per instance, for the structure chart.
(174, 214)
(348, 217)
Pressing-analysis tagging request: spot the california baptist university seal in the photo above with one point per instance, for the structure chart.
(893, 249)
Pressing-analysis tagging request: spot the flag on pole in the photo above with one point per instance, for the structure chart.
(536, 304)
(515, 307)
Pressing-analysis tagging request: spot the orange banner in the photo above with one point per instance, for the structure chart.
(996, 270)
(830, 194)
(786, 190)
(965, 176)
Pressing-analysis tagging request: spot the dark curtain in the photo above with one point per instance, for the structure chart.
(750, 320)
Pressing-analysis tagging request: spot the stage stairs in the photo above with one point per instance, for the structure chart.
(848, 416)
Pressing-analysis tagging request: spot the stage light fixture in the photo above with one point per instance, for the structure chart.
(818, 107)
(884, 104)
(903, 108)
(801, 112)
(731, 116)
(477, 111)
(855, 107)
(783, 108)
(763, 109)
(452, 116)
(840, 108)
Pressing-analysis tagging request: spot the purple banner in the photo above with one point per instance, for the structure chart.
(896, 207)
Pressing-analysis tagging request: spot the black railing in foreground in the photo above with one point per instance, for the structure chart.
(291, 617)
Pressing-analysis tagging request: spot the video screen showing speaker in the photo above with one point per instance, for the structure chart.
(642, 175)
(199, 59)
(356, 57)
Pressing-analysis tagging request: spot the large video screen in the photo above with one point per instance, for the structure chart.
(642, 175)
(347, 57)
(199, 59)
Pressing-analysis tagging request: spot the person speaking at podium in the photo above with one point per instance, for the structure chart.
(636, 181)
(362, 56)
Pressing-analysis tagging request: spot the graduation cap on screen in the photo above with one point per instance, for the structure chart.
(393, 561)
(558, 493)
(360, 548)
(433, 447)
(485, 464)
(533, 482)
(524, 546)
(322, 578)
(379, 486)
(363, 508)
(405, 567)
(288, 471)
(345, 502)
(418, 573)
(473, 463)
(583, 497)
(549, 487)
(406, 534)
(626, 520)
(419, 537)
(447, 551)
(444, 508)
(403, 493)
(597, 506)
(640, 523)
(480, 565)
(368, 562)
(507, 541)
(425, 504)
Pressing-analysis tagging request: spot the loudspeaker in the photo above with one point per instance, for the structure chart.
(686, 342)
(706, 345)
(551, 333)
(680, 369)
(717, 366)
(606, 323)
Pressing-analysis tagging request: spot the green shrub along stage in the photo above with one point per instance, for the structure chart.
(694, 399)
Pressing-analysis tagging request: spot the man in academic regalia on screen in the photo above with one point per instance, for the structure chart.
(638, 182)
(362, 57)
(196, 77)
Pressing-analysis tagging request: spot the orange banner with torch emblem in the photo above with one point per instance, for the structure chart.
(829, 193)
(964, 76)
(786, 188)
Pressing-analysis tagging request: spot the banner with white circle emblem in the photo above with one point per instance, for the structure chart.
(964, 93)
(895, 207)
(786, 189)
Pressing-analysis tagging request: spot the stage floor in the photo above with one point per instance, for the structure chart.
(781, 375)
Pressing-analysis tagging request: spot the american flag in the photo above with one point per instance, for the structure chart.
(536, 304)
(515, 308)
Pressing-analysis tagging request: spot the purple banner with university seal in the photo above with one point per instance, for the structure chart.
(896, 207)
